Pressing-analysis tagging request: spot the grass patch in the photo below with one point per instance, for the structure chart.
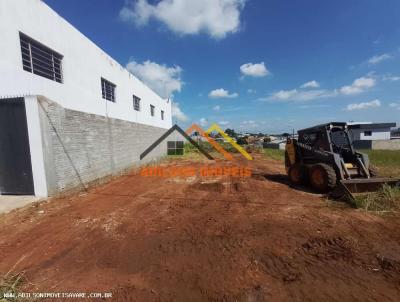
(209, 148)
(10, 284)
(385, 200)
(192, 153)
(387, 161)
(275, 154)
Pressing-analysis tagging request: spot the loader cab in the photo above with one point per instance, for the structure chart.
(315, 138)
(332, 137)
(341, 143)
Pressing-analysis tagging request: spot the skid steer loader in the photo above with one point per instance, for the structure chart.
(324, 157)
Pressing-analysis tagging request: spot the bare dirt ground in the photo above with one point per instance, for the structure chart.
(200, 239)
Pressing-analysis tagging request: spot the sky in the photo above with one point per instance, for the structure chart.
(255, 65)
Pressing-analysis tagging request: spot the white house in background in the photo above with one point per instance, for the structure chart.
(370, 131)
(395, 133)
(69, 113)
(276, 144)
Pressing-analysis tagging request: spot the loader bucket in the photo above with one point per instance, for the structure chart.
(369, 185)
(349, 187)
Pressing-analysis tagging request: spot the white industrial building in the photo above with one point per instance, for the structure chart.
(69, 113)
(371, 131)
(368, 135)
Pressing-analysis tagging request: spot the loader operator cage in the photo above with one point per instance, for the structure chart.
(330, 137)
(340, 138)
(317, 140)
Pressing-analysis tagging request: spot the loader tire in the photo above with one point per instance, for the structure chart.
(297, 174)
(373, 171)
(323, 178)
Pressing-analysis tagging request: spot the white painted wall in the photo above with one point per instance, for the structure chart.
(376, 136)
(36, 147)
(83, 66)
(381, 134)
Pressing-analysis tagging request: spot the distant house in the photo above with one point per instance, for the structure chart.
(371, 131)
(363, 134)
(395, 134)
(276, 144)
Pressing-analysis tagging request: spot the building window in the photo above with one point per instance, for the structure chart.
(136, 103)
(152, 110)
(40, 60)
(108, 90)
(367, 133)
(175, 148)
(162, 114)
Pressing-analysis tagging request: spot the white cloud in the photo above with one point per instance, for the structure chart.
(314, 106)
(391, 78)
(254, 70)
(299, 95)
(222, 93)
(223, 123)
(311, 84)
(217, 108)
(285, 95)
(365, 105)
(248, 124)
(203, 122)
(218, 18)
(178, 113)
(395, 105)
(162, 79)
(378, 59)
(251, 91)
(360, 85)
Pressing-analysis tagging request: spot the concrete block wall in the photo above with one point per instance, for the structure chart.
(386, 144)
(80, 148)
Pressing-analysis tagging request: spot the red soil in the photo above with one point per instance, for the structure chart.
(204, 239)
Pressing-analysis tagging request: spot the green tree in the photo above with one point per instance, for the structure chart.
(242, 141)
(231, 132)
